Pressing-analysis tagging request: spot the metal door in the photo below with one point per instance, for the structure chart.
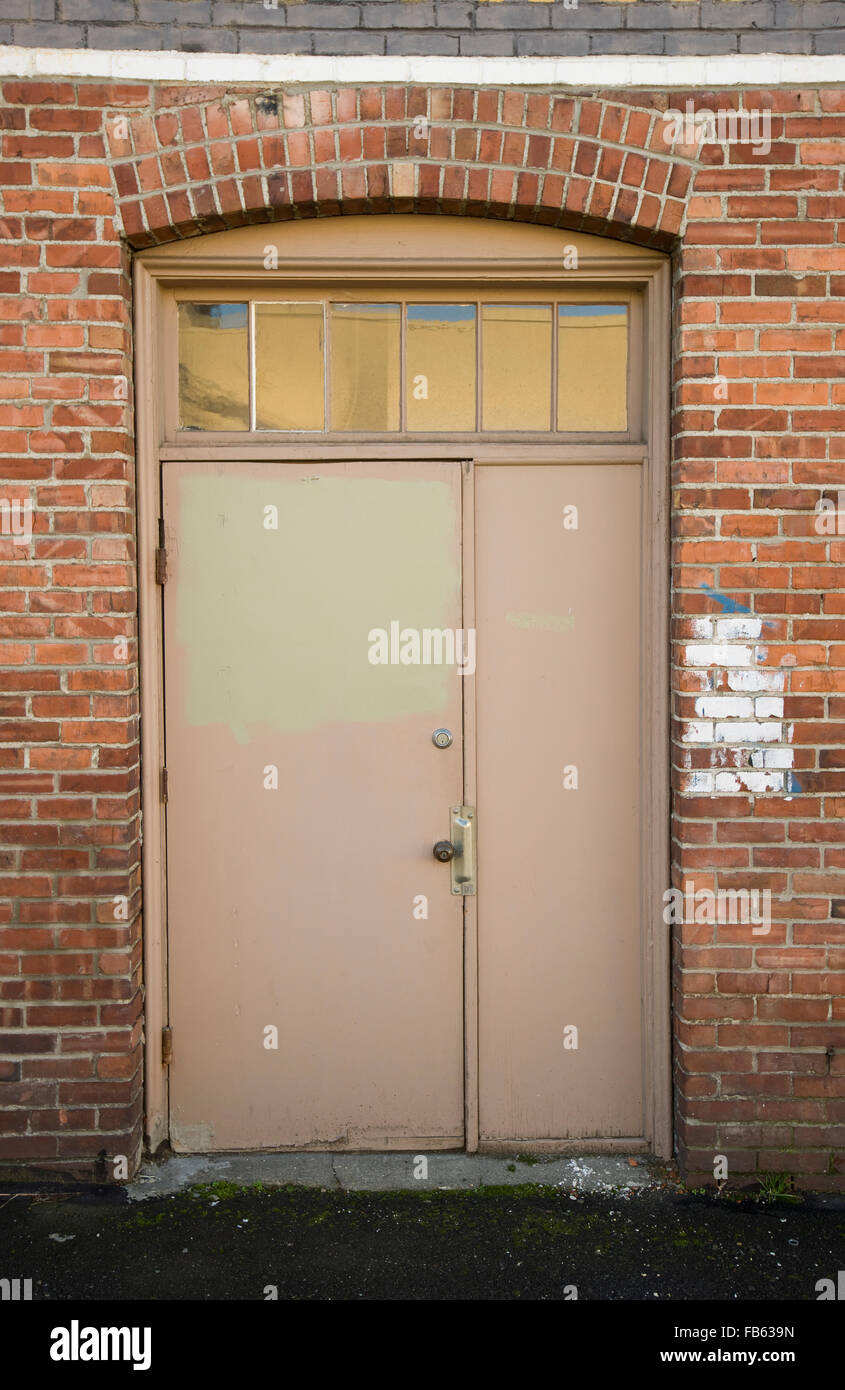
(315, 945)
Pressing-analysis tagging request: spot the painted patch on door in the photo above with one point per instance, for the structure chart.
(297, 544)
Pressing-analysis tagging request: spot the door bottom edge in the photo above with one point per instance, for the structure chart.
(567, 1148)
(447, 1143)
(456, 1144)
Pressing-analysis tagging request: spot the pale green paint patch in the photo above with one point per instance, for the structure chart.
(274, 623)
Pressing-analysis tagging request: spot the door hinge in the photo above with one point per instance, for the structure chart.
(166, 1046)
(161, 554)
(164, 784)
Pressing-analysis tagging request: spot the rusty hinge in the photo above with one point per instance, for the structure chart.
(164, 784)
(166, 1046)
(161, 554)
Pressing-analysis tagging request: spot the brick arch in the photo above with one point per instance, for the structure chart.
(592, 164)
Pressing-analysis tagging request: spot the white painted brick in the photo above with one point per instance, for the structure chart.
(767, 707)
(701, 627)
(773, 757)
(697, 783)
(761, 781)
(732, 628)
(727, 782)
(705, 655)
(756, 680)
(600, 71)
(746, 781)
(697, 731)
(172, 67)
(725, 707)
(748, 733)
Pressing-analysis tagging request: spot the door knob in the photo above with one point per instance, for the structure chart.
(444, 850)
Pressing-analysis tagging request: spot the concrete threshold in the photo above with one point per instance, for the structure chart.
(399, 1172)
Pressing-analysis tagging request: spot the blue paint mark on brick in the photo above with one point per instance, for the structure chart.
(730, 605)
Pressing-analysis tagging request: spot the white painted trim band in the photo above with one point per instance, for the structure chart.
(594, 72)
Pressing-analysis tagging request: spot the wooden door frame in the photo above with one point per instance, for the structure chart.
(601, 261)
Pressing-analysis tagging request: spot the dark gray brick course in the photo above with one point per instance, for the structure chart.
(422, 43)
(242, 16)
(453, 16)
(130, 36)
(49, 35)
(595, 15)
(21, 10)
(174, 12)
(351, 41)
(792, 41)
(471, 27)
(116, 11)
(789, 14)
(396, 16)
(691, 42)
(662, 16)
(281, 40)
(487, 45)
(204, 40)
(558, 44)
(515, 16)
(322, 17)
(626, 43)
(737, 15)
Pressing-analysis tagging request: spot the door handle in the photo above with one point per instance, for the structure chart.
(462, 847)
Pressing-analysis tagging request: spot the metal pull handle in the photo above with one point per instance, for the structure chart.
(463, 846)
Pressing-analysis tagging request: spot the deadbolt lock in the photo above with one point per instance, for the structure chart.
(442, 738)
(444, 851)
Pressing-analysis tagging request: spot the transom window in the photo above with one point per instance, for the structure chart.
(384, 367)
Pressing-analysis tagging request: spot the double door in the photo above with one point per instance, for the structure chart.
(364, 660)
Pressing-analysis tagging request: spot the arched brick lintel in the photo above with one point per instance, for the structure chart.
(589, 164)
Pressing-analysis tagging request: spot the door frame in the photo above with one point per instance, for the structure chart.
(600, 261)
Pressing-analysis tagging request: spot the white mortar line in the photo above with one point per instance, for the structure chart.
(596, 71)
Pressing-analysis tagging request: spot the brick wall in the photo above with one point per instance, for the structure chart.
(485, 28)
(70, 962)
(759, 612)
(758, 592)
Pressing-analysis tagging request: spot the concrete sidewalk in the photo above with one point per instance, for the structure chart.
(397, 1172)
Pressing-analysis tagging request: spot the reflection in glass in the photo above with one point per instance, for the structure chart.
(440, 367)
(289, 367)
(364, 345)
(516, 353)
(213, 367)
(592, 367)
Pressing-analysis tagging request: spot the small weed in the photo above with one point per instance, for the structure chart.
(777, 1187)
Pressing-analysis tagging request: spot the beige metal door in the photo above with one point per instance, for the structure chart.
(558, 745)
(315, 946)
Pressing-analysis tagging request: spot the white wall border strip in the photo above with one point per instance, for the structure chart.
(609, 71)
